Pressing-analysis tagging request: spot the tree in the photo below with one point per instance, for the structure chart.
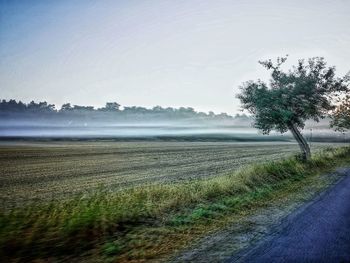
(83, 108)
(305, 91)
(66, 107)
(341, 115)
(42, 106)
(111, 106)
(12, 106)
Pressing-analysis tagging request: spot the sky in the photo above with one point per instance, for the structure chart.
(170, 53)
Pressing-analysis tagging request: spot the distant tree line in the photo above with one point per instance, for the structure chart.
(12, 107)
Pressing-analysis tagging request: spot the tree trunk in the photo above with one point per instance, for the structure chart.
(304, 146)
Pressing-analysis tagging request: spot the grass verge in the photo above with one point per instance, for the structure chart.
(148, 222)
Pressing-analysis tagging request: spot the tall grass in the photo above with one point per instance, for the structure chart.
(70, 226)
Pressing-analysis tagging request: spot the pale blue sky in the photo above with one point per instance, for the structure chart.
(168, 53)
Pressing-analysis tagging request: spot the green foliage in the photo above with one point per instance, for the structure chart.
(291, 97)
(341, 115)
(111, 248)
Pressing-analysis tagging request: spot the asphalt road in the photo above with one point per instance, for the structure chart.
(318, 232)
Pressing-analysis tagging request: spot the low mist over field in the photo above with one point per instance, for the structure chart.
(43, 120)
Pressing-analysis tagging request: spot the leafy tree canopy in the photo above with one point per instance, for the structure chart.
(304, 92)
(341, 115)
